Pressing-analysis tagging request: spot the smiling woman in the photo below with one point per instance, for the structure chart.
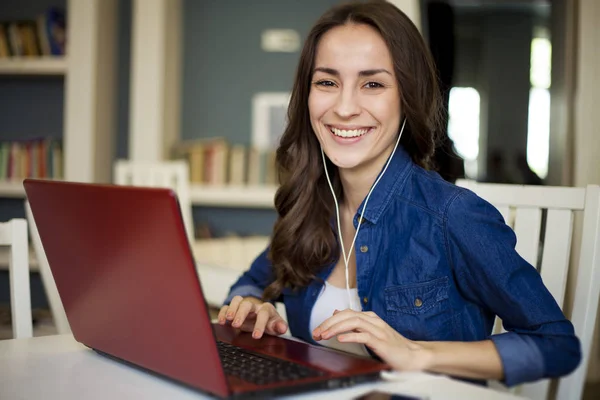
(433, 263)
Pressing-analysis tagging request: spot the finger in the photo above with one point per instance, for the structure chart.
(281, 326)
(375, 319)
(336, 318)
(263, 314)
(242, 312)
(276, 326)
(233, 306)
(358, 323)
(362, 337)
(222, 315)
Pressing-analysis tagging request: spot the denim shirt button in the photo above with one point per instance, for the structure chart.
(418, 302)
(365, 300)
(364, 249)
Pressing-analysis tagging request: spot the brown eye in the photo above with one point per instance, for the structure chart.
(325, 83)
(373, 85)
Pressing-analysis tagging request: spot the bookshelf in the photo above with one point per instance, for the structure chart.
(33, 66)
(89, 90)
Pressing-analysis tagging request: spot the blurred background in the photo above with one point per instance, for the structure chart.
(85, 83)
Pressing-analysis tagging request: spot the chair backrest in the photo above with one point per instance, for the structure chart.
(14, 235)
(527, 209)
(169, 174)
(56, 307)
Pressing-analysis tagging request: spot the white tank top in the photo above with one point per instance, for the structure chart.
(330, 299)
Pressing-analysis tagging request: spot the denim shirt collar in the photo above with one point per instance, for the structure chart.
(390, 182)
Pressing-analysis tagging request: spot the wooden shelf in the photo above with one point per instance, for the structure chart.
(216, 196)
(233, 196)
(12, 189)
(33, 66)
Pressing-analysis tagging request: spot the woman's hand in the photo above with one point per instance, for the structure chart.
(367, 328)
(253, 315)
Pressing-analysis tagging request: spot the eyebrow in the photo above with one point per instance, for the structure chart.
(368, 72)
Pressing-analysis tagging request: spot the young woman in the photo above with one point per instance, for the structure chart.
(374, 253)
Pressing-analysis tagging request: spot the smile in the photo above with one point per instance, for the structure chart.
(349, 133)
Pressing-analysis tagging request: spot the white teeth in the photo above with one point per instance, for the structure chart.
(350, 133)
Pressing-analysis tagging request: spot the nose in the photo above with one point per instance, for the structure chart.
(347, 104)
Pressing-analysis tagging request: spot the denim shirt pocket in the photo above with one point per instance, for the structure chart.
(420, 311)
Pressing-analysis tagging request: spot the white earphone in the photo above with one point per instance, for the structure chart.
(337, 212)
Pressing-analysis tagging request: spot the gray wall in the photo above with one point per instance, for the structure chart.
(224, 65)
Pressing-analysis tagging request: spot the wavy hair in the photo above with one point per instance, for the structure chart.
(303, 240)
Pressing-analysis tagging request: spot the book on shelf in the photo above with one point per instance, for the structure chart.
(214, 161)
(36, 158)
(237, 165)
(43, 36)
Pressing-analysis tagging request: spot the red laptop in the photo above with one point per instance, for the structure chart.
(127, 279)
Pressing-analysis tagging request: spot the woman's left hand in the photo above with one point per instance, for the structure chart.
(367, 328)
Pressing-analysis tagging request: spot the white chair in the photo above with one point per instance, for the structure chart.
(168, 174)
(521, 207)
(14, 235)
(56, 307)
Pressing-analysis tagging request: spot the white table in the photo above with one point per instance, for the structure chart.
(57, 367)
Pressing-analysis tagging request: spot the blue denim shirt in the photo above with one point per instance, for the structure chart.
(438, 263)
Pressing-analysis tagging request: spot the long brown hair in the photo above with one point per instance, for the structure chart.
(303, 240)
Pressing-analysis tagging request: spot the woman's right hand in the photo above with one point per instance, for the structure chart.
(253, 315)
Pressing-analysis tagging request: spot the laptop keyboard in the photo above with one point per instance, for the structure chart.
(260, 369)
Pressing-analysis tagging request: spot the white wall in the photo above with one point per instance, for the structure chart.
(90, 90)
(587, 120)
(155, 79)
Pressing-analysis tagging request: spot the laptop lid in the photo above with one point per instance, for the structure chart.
(126, 277)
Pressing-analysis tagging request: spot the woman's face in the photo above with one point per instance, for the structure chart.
(354, 101)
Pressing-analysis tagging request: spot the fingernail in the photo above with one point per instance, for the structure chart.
(256, 334)
(325, 335)
(230, 316)
(236, 323)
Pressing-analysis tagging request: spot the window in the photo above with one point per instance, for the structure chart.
(463, 126)
(538, 127)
